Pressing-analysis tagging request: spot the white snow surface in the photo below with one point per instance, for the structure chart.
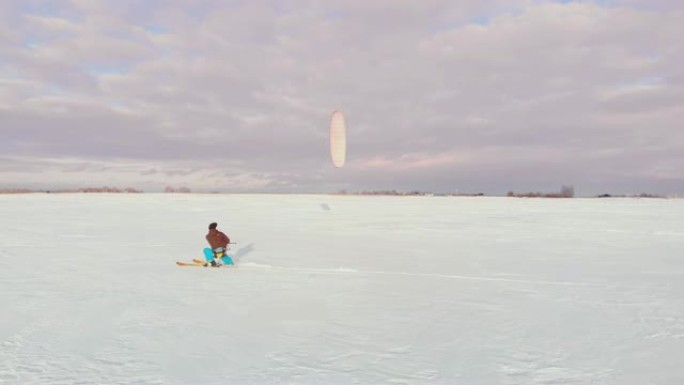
(341, 290)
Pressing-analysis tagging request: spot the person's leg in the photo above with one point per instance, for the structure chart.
(209, 256)
(226, 259)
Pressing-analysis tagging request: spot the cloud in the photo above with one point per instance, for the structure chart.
(487, 94)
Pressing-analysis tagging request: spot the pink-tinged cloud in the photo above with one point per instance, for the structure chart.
(410, 162)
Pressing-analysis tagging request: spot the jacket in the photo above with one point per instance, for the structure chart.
(217, 239)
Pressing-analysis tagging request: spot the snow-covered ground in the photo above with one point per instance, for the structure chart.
(341, 290)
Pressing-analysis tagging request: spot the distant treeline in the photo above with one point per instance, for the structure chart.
(565, 192)
(569, 192)
(105, 189)
(643, 195)
(405, 193)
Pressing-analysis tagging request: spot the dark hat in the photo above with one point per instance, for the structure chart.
(212, 225)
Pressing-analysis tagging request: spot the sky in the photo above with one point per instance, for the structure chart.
(236, 96)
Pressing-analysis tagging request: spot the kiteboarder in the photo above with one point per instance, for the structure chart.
(219, 247)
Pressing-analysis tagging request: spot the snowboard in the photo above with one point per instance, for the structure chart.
(193, 264)
(198, 263)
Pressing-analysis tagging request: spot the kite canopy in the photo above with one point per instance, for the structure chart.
(338, 139)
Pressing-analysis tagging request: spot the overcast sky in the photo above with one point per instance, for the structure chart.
(439, 95)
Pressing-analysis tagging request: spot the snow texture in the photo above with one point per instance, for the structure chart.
(341, 290)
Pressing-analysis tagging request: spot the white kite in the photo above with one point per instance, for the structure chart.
(338, 139)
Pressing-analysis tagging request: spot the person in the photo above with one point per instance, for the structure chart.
(219, 247)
